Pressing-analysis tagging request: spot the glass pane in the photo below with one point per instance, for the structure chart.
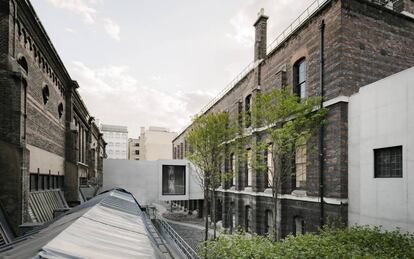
(300, 167)
(233, 168)
(249, 167)
(302, 72)
(388, 162)
(270, 167)
(303, 90)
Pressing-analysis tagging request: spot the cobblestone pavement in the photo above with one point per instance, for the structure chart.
(193, 236)
(181, 216)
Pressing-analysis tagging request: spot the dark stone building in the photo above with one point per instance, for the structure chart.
(341, 45)
(51, 150)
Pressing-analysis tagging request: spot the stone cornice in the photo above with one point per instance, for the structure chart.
(27, 16)
(327, 200)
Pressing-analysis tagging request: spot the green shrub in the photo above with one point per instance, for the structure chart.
(354, 242)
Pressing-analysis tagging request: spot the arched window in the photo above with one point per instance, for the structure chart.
(269, 221)
(249, 168)
(233, 168)
(222, 169)
(300, 165)
(299, 77)
(270, 166)
(60, 110)
(23, 63)
(232, 217)
(45, 94)
(247, 110)
(298, 226)
(248, 219)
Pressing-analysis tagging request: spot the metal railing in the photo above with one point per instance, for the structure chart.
(303, 17)
(223, 92)
(183, 247)
(230, 85)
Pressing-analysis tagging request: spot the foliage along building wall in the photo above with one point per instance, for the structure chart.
(363, 42)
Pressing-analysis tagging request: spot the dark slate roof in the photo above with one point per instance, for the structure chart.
(111, 225)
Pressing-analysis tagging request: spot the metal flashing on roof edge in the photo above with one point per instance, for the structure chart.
(111, 225)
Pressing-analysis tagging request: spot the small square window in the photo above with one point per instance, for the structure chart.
(388, 162)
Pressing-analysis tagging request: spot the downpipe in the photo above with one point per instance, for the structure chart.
(321, 135)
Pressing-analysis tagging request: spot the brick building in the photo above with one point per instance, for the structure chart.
(50, 146)
(334, 48)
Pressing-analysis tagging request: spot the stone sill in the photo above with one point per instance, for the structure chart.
(248, 189)
(299, 193)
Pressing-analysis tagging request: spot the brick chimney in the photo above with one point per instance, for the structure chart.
(260, 38)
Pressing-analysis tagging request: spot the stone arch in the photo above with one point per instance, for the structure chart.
(60, 110)
(45, 94)
(23, 63)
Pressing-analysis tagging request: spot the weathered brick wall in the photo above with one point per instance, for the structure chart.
(409, 6)
(44, 127)
(4, 30)
(24, 118)
(310, 213)
(336, 152)
(10, 194)
(376, 42)
(363, 43)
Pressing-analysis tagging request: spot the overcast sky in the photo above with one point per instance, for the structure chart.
(156, 62)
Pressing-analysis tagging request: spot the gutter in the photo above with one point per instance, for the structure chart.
(321, 133)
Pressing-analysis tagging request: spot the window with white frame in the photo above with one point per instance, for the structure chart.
(233, 168)
(300, 162)
(270, 166)
(249, 167)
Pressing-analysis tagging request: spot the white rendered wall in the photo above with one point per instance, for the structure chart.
(382, 115)
(143, 179)
(44, 161)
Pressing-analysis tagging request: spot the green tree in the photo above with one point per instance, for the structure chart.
(206, 139)
(288, 122)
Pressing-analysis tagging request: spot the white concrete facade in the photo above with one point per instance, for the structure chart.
(144, 179)
(156, 143)
(381, 115)
(117, 139)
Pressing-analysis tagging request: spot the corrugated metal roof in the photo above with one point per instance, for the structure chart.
(110, 225)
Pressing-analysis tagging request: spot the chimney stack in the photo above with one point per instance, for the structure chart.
(260, 39)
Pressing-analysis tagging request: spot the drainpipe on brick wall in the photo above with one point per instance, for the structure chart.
(321, 146)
